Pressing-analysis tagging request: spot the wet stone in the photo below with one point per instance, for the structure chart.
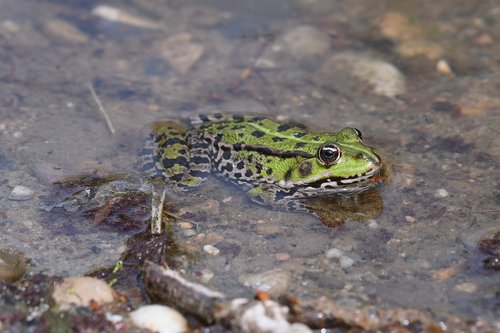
(210, 249)
(304, 41)
(159, 318)
(275, 282)
(21, 193)
(12, 266)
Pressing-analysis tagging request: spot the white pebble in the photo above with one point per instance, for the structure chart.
(346, 262)
(210, 249)
(21, 193)
(333, 253)
(188, 232)
(82, 291)
(441, 193)
(159, 318)
(410, 219)
(372, 224)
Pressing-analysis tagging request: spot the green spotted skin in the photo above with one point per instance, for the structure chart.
(277, 164)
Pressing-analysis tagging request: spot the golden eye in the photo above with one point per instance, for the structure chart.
(328, 154)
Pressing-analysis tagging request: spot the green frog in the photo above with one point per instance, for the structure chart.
(277, 164)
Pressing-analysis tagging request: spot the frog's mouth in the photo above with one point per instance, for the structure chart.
(332, 184)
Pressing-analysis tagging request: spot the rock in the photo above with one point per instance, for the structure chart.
(441, 193)
(333, 253)
(81, 291)
(159, 318)
(304, 42)
(282, 256)
(210, 249)
(205, 275)
(65, 31)
(409, 37)
(275, 282)
(346, 262)
(21, 193)
(444, 273)
(12, 267)
(384, 78)
(115, 14)
(180, 52)
(467, 287)
(269, 230)
(410, 219)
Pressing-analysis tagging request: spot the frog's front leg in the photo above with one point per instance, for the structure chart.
(276, 197)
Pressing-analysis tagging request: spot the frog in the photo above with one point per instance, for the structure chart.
(278, 164)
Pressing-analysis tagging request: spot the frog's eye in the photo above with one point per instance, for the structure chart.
(358, 133)
(328, 154)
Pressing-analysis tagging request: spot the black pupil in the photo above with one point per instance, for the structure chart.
(329, 152)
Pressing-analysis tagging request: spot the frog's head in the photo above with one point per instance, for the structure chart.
(342, 164)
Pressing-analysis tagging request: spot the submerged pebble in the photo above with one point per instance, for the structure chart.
(12, 266)
(346, 262)
(275, 282)
(210, 249)
(81, 291)
(21, 193)
(305, 41)
(441, 193)
(159, 318)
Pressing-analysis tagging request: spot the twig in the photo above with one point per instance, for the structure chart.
(101, 108)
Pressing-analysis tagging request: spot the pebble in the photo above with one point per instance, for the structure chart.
(82, 291)
(346, 262)
(188, 232)
(467, 287)
(12, 267)
(115, 14)
(213, 238)
(443, 67)
(441, 193)
(282, 256)
(275, 282)
(159, 318)
(444, 273)
(180, 52)
(305, 42)
(372, 224)
(21, 193)
(410, 219)
(210, 249)
(205, 276)
(333, 253)
(185, 225)
(65, 31)
(410, 38)
(269, 230)
(384, 78)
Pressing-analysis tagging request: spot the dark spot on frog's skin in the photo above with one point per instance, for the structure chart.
(218, 116)
(237, 127)
(358, 156)
(226, 155)
(240, 165)
(269, 171)
(238, 117)
(258, 167)
(258, 134)
(182, 151)
(250, 158)
(288, 174)
(241, 135)
(305, 169)
(221, 127)
(200, 160)
(277, 139)
(316, 138)
(228, 167)
(299, 134)
(248, 173)
(299, 145)
(284, 127)
(237, 175)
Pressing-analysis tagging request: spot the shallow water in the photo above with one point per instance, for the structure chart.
(420, 80)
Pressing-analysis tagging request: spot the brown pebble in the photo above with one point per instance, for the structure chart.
(282, 256)
(269, 230)
(444, 273)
